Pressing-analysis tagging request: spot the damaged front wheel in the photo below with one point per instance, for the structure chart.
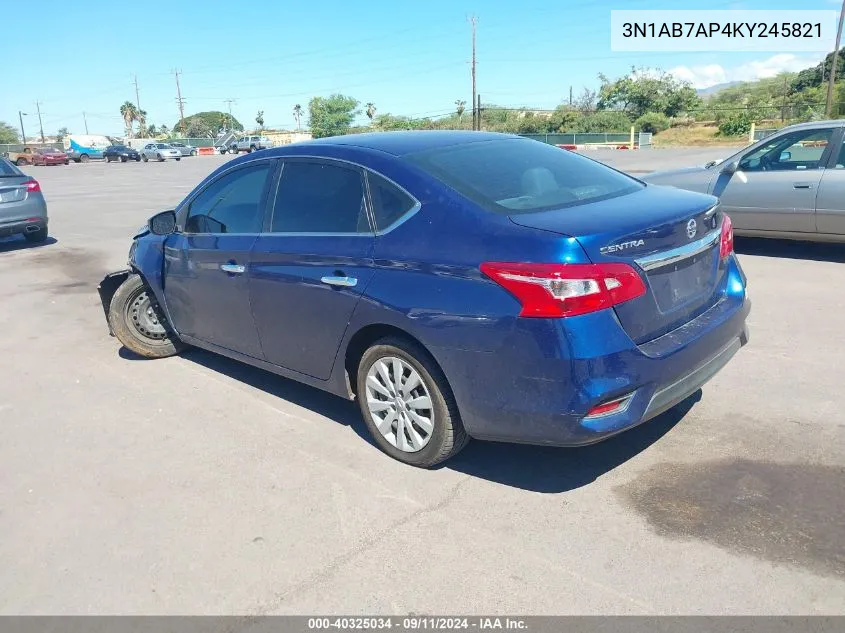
(137, 322)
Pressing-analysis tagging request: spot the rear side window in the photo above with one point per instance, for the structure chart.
(317, 197)
(234, 203)
(512, 176)
(389, 202)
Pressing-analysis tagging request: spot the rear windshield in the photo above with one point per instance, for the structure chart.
(520, 175)
(7, 169)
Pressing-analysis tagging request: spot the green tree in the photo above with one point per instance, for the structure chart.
(297, 114)
(259, 118)
(645, 90)
(654, 122)
(371, 110)
(735, 125)
(206, 124)
(61, 134)
(604, 121)
(331, 116)
(152, 131)
(163, 130)
(130, 114)
(564, 119)
(460, 106)
(8, 133)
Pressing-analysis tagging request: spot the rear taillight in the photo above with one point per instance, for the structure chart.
(726, 244)
(563, 290)
(32, 185)
(617, 405)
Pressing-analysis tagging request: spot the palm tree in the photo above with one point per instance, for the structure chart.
(459, 108)
(163, 130)
(371, 110)
(259, 118)
(141, 117)
(297, 114)
(130, 114)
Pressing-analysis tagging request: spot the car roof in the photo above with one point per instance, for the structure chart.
(400, 143)
(815, 124)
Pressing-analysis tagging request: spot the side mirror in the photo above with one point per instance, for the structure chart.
(730, 168)
(784, 156)
(163, 223)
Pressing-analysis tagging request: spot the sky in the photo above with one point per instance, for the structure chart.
(408, 58)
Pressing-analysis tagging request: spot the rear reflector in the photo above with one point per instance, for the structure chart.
(563, 290)
(726, 243)
(611, 406)
(32, 185)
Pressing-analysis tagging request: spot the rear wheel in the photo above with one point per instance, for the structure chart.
(36, 236)
(144, 157)
(193, 152)
(178, 158)
(408, 405)
(123, 159)
(20, 162)
(137, 323)
(84, 158)
(160, 157)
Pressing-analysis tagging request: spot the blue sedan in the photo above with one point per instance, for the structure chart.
(456, 284)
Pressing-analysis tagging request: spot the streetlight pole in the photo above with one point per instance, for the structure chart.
(21, 115)
(832, 77)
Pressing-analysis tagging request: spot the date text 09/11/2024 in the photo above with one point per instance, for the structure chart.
(415, 623)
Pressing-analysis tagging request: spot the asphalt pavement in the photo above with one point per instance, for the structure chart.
(199, 485)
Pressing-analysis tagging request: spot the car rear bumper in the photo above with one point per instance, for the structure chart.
(541, 386)
(21, 227)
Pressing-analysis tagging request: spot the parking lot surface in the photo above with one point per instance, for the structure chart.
(199, 485)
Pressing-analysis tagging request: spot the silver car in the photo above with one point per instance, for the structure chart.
(160, 152)
(23, 210)
(789, 185)
(186, 150)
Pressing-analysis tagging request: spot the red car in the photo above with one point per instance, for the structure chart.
(49, 156)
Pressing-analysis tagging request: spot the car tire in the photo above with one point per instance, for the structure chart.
(84, 158)
(144, 158)
(123, 159)
(37, 236)
(178, 158)
(138, 160)
(67, 162)
(137, 322)
(20, 162)
(193, 152)
(446, 435)
(160, 158)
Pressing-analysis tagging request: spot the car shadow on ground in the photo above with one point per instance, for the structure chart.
(535, 468)
(18, 243)
(790, 249)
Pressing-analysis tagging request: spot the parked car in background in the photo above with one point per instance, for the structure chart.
(788, 185)
(251, 144)
(21, 158)
(49, 156)
(81, 148)
(121, 153)
(186, 150)
(23, 210)
(160, 151)
(458, 284)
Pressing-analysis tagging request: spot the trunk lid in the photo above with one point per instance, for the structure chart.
(670, 236)
(12, 189)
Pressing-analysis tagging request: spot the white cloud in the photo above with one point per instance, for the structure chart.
(712, 74)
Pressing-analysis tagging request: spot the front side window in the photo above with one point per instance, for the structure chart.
(234, 203)
(794, 151)
(389, 202)
(519, 175)
(317, 197)
(163, 146)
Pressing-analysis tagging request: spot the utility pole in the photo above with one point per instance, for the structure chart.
(21, 115)
(832, 78)
(783, 102)
(229, 101)
(85, 118)
(478, 109)
(474, 20)
(137, 98)
(40, 126)
(181, 103)
(570, 96)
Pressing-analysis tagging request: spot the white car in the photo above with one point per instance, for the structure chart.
(160, 152)
(251, 144)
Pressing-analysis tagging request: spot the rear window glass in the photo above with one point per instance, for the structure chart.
(512, 176)
(7, 169)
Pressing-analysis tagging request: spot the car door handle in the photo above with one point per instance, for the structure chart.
(340, 282)
(802, 185)
(235, 269)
